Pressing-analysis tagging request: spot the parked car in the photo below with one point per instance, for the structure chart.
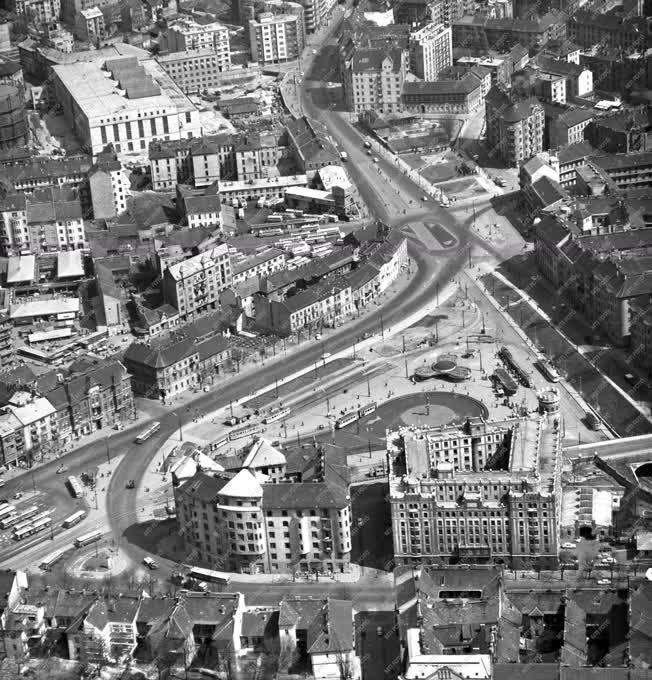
(375, 159)
(604, 582)
(568, 545)
(61, 469)
(149, 563)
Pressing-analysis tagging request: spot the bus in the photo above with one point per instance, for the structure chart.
(27, 522)
(276, 415)
(245, 432)
(346, 420)
(51, 560)
(75, 486)
(87, 539)
(366, 410)
(34, 528)
(75, 518)
(9, 521)
(548, 370)
(146, 434)
(7, 510)
(221, 578)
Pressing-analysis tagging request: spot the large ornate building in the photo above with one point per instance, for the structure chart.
(481, 492)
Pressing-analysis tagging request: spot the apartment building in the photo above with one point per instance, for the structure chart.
(258, 155)
(514, 128)
(90, 25)
(477, 492)
(326, 303)
(266, 263)
(189, 358)
(579, 79)
(316, 13)
(250, 519)
(431, 51)
(198, 162)
(276, 38)
(587, 28)
(196, 70)
(193, 286)
(48, 220)
(565, 125)
(88, 400)
(28, 429)
(109, 186)
(373, 78)
(627, 169)
(187, 34)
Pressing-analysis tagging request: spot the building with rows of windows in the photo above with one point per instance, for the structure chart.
(257, 514)
(480, 492)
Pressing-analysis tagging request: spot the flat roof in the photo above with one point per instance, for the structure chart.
(266, 182)
(69, 263)
(21, 269)
(47, 307)
(98, 97)
(306, 192)
(56, 334)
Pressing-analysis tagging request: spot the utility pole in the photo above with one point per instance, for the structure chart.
(470, 262)
(437, 293)
(382, 328)
(231, 407)
(368, 388)
(407, 375)
(403, 344)
(354, 349)
(108, 453)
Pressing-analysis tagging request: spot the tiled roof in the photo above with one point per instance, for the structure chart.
(572, 153)
(468, 83)
(204, 486)
(371, 59)
(304, 495)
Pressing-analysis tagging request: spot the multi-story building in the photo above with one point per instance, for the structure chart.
(195, 71)
(588, 28)
(71, 9)
(479, 492)
(627, 169)
(480, 32)
(109, 186)
(565, 125)
(90, 25)
(316, 13)
(266, 263)
(199, 162)
(87, 401)
(625, 131)
(258, 155)
(250, 519)
(186, 34)
(310, 146)
(325, 303)
(514, 128)
(27, 428)
(373, 79)
(579, 79)
(51, 220)
(463, 95)
(431, 51)
(137, 104)
(193, 286)
(38, 11)
(550, 87)
(276, 38)
(6, 342)
(188, 358)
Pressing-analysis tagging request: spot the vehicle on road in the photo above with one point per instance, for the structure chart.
(424, 198)
(73, 519)
(149, 563)
(379, 631)
(206, 576)
(51, 560)
(2, 483)
(568, 546)
(367, 145)
(344, 156)
(61, 469)
(548, 370)
(18, 495)
(87, 539)
(75, 487)
(604, 582)
(131, 484)
(147, 433)
(36, 527)
(369, 152)
(325, 355)
(207, 389)
(592, 421)
(375, 159)
(317, 336)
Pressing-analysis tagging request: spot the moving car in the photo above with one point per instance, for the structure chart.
(149, 563)
(325, 356)
(131, 484)
(604, 582)
(375, 159)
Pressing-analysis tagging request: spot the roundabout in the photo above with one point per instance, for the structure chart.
(428, 409)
